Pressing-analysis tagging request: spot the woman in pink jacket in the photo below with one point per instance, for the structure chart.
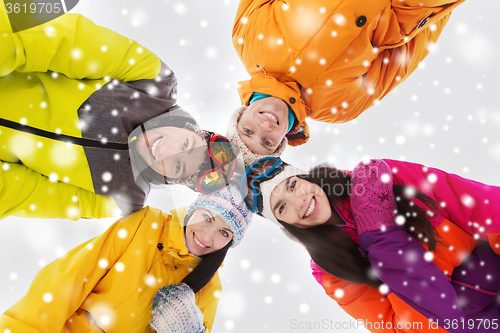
(333, 213)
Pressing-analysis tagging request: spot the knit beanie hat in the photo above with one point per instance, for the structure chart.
(229, 205)
(265, 188)
(239, 147)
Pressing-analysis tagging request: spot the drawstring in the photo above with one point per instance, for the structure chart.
(261, 68)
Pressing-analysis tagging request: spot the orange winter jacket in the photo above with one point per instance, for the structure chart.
(331, 60)
(389, 313)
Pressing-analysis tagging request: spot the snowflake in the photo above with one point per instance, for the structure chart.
(304, 308)
(47, 297)
(103, 263)
(120, 267)
(245, 264)
(122, 233)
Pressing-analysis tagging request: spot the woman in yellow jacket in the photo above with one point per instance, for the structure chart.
(72, 94)
(108, 283)
(327, 60)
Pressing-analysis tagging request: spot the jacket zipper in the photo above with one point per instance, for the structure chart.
(62, 137)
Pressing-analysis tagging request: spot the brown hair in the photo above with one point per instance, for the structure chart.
(334, 250)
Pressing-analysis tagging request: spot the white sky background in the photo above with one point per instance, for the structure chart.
(446, 115)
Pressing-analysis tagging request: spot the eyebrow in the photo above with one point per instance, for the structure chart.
(280, 201)
(190, 151)
(209, 213)
(267, 147)
(276, 206)
(287, 183)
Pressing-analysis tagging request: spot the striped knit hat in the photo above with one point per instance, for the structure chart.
(228, 204)
(239, 147)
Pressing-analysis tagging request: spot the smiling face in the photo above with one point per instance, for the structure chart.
(300, 203)
(206, 233)
(263, 125)
(169, 151)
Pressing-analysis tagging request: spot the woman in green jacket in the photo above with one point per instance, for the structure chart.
(72, 95)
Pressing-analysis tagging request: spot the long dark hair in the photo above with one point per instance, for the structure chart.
(335, 251)
(207, 268)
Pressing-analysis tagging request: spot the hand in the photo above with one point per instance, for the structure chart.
(372, 199)
(175, 311)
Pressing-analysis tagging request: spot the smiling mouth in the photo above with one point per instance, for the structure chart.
(310, 209)
(153, 147)
(200, 244)
(270, 116)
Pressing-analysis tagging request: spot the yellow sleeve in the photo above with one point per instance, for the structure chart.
(207, 300)
(60, 288)
(26, 193)
(76, 47)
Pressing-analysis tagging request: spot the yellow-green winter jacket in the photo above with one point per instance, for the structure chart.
(108, 283)
(71, 93)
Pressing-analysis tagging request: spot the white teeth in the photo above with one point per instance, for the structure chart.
(153, 147)
(197, 242)
(310, 210)
(270, 116)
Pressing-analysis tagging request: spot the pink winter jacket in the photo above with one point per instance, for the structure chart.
(461, 201)
(471, 205)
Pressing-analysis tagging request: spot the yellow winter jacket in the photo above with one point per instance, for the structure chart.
(331, 60)
(108, 283)
(46, 73)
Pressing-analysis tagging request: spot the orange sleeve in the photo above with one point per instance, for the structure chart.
(379, 313)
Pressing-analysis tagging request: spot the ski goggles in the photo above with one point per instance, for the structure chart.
(257, 173)
(221, 165)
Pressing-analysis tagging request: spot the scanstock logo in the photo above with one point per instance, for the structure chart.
(25, 14)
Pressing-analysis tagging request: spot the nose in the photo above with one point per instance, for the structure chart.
(265, 126)
(299, 200)
(207, 235)
(168, 150)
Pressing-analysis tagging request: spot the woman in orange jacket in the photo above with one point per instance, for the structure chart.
(326, 60)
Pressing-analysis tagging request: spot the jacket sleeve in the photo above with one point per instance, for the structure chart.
(60, 288)
(26, 193)
(76, 47)
(379, 313)
(471, 205)
(349, 92)
(400, 262)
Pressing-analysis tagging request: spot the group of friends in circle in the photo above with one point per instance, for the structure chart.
(389, 241)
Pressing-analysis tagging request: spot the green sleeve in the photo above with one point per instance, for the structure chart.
(76, 47)
(26, 193)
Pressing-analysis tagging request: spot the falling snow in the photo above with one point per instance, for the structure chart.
(445, 116)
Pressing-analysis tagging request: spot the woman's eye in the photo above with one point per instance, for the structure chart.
(247, 131)
(267, 142)
(178, 167)
(224, 233)
(281, 209)
(206, 217)
(186, 143)
(293, 185)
